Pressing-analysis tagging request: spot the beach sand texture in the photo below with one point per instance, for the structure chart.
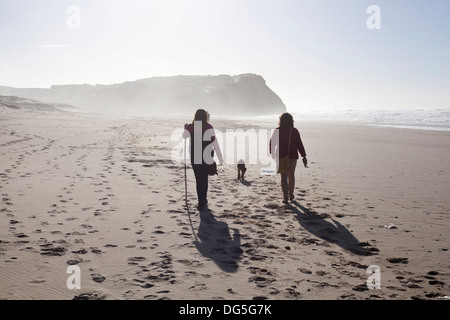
(102, 193)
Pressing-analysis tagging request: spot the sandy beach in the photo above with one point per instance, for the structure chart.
(102, 193)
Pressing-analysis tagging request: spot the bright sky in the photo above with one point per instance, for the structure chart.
(315, 54)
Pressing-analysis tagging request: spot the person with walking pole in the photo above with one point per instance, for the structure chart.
(202, 137)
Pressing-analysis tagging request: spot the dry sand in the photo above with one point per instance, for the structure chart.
(102, 193)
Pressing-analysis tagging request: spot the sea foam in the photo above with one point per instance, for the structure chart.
(430, 119)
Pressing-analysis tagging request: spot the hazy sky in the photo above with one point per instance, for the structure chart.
(315, 54)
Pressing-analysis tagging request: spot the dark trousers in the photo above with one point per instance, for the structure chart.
(201, 179)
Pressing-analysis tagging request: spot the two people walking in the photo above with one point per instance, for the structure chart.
(285, 142)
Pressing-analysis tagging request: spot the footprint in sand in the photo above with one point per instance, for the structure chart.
(51, 250)
(262, 277)
(135, 260)
(305, 271)
(96, 277)
(91, 295)
(398, 260)
(74, 261)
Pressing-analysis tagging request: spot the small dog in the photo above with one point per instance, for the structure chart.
(241, 169)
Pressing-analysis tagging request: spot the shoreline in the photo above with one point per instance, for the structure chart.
(413, 127)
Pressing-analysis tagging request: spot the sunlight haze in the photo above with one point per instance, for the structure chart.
(316, 55)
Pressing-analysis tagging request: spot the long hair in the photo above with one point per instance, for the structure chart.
(286, 121)
(201, 115)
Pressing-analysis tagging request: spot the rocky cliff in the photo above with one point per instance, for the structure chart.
(245, 94)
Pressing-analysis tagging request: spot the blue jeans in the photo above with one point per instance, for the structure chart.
(201, 179)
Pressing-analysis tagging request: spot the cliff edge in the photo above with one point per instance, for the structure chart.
(245, 94)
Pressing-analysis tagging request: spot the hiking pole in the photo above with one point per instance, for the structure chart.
(185, 176)
(185, 193)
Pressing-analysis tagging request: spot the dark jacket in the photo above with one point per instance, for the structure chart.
(190, 132)
(279, 143)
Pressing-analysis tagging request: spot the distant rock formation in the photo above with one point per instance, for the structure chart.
(245, 94)
(27, 104)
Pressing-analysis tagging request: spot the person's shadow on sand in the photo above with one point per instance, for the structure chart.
(246, 183)
(332, 232)
(215, 242)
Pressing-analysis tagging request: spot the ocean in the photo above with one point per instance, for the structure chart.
(424, 119)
